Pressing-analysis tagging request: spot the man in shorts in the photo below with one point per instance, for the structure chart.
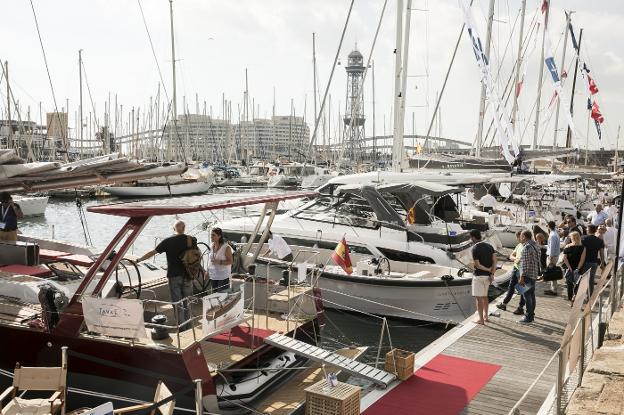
(484, 262)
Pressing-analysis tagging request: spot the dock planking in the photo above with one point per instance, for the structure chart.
(521, 350)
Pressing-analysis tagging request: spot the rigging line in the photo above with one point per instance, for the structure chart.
(169, 109)
(84, 70)
(45, 60)
(331, 76)
(448, 72)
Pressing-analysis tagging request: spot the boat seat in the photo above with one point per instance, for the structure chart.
(32, 270)
(77, 259)
(51, 254)
(418, 274)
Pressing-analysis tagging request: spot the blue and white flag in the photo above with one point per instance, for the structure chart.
(495, 106)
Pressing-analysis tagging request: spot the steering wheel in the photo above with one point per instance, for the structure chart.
(201, 282)
(121, 289)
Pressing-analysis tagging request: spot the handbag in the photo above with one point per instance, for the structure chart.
(552, 274)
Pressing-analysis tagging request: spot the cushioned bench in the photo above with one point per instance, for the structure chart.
(32, 270)
(51, 254)
(77, 259)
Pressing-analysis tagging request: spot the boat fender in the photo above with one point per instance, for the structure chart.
(447, 278)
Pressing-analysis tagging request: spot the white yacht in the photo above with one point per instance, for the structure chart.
(372, 218)
(289, 175)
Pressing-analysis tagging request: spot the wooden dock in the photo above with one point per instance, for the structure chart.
(522, 351)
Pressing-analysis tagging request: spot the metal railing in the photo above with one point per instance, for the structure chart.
(586, 328)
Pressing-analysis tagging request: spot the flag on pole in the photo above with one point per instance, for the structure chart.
(593, 88)
(411, 215)
(341, 256)
(596, 114)
(575, 44)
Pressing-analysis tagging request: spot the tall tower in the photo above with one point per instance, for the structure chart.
(354, 114)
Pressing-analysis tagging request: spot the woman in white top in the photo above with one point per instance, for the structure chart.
(220, 265)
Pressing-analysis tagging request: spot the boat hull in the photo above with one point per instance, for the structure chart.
(158, 191)
(417, 300)
(32, 206)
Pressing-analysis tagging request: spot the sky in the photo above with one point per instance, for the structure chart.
(216, 40)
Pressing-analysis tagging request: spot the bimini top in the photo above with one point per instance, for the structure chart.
(182, 205)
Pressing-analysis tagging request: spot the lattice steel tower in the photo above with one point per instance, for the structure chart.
(354, 113)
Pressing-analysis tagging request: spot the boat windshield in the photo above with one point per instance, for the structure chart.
(350, 210)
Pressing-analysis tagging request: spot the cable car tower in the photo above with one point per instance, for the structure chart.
(354, 114)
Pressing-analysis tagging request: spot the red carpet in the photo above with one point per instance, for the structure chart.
(241, 337)
(444, 386)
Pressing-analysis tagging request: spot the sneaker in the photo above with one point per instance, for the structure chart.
(501, 306)
(525, 320)
(550, 292)
(519, 311)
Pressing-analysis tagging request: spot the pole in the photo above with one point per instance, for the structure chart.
(81, 137)
(561, 68)
(314, 81)
(514, 110)
(488, 37)
(173, 70)
(406, 40)
(6, 75)
(374, 132)
(397, 140)
(569, 134)
(615, 156)
(541, 77)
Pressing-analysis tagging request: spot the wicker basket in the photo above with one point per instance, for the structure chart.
(400, 362)
(343, 399)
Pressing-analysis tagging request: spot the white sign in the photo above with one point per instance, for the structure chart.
(119, 317)
(221, 310)
(105, 409)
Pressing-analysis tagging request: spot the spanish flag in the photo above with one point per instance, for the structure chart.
(341, 256)
(411, 216)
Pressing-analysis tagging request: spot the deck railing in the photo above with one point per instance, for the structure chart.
(585, 332)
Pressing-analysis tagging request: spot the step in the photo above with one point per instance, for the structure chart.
(353, 367)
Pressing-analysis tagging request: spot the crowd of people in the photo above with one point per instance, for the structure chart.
(570, 248)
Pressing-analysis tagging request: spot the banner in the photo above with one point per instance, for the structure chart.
(118, 317)
(549, 61)
(222, 310)
(495, 107)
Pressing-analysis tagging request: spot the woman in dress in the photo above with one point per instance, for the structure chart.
(573, 258)
(221, 258)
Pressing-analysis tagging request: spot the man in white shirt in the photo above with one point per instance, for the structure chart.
(598, 216)
(610, 238)
(279, 247)
(488, 203)
(553, 250)
(612, 210)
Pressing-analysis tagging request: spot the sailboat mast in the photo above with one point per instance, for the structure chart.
(314, 80)
(173, 68)
(541, 77)
(488, 38)
(563, 56)
(374, 156)
(514, 110)
(6, 75)
(397, 143)
(81, 138)
(569, 134)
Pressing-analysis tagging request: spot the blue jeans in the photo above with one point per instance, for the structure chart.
(515, 275)
(180, 288)
(529, 298)
(592, 267)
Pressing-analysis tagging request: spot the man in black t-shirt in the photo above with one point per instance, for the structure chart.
(594, 248)
(484, 258)
(180, 284)
(10, 212)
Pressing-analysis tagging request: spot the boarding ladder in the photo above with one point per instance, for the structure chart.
(353, 367)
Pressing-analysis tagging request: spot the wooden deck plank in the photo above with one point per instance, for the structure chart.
(522, 351)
